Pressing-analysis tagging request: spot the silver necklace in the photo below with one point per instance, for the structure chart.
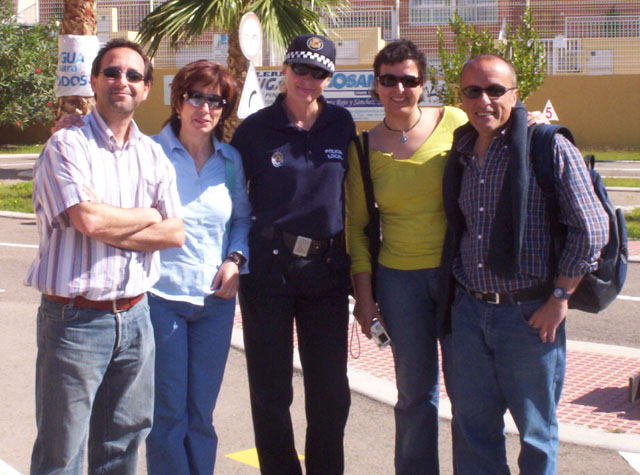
(403, 137)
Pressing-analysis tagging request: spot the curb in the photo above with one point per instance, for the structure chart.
(385, 392)
(17, 215)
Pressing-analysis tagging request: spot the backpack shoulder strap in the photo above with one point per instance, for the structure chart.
(540, 138)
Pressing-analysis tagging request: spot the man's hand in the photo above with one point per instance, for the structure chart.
(226, 281)
(66, 122)
(548, 317)
(536, 117)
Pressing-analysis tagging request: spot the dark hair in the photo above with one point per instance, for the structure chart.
(122, 43)
(396, 52)
(207, 73)
(491, 56)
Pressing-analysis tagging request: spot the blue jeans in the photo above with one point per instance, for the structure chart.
(192, 344)
(94, 375)
(407, 301)
(498, 362)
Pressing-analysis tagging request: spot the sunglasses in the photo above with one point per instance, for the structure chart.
(113, 72)
(494, 91)
(303, 70)
(389, 80)
(196, 99)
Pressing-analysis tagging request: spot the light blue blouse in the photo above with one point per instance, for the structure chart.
(186, 273)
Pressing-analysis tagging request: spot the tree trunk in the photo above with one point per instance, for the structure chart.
(237, 64)
(78, 18)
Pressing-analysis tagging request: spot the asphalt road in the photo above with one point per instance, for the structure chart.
(369, 435)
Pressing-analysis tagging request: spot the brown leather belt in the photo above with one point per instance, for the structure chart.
(115, 306)
(512, 297)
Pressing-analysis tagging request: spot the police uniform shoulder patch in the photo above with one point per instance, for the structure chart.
(277, 159)
(315, 43)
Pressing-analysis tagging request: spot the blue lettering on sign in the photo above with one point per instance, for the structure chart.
(73, 81)
(71, 58)
(269, 84)
(341, 80)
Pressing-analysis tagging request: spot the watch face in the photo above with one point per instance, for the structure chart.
(560, 293)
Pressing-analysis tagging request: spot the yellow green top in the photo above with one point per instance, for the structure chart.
(409, 196)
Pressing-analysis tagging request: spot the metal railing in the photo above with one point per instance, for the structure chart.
(567, 59)
(599, 37)
(383, 17)
(626, 26)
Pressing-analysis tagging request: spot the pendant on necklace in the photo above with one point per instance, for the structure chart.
(403, 137)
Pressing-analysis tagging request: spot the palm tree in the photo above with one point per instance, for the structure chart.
(78, 18)
(282, 20)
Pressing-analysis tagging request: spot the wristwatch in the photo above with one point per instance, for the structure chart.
(237, 258)
(560, 293)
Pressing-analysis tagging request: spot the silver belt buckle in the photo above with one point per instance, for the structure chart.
(496, 298)
(301, 247)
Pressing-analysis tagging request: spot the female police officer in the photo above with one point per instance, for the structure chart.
(294, 154)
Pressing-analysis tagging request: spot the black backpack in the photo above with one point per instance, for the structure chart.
(601, 287)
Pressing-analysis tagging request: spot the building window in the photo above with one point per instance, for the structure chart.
(438, 12)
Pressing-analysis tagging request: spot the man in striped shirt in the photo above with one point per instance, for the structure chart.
(507, 347)
(105, 199)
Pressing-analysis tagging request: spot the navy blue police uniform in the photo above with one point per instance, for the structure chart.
(298, 270)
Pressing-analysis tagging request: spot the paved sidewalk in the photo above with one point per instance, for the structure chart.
(594, 409)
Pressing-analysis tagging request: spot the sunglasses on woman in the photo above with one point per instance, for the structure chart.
(494, 91)
(302, 70)
(113, 72)
(390, 80)
(196, 99)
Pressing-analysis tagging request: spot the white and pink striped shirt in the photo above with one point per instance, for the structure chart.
(138, 174)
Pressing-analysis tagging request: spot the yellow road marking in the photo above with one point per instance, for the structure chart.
(249, 457)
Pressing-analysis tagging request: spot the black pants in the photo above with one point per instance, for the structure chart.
(270, 303)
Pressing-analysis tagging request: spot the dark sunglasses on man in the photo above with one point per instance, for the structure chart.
(494, 91)
(304, 69)
(113, 72)
(196, 99)
(390, 80)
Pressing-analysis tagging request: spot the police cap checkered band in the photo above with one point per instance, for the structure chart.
(314, 50)
(313, 58)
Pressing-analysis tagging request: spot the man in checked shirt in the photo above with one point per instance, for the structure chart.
(502, 315)
(105, 199)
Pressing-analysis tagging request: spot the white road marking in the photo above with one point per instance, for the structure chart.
(6, 469)
(625, 297)
(633, 459)
(9, 244)
(602, 169)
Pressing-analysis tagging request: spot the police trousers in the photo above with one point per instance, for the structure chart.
(312, 292)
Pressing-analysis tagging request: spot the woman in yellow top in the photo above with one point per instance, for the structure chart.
(407, 154)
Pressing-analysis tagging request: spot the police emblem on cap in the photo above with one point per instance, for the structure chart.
(277, 159)
(315, 43)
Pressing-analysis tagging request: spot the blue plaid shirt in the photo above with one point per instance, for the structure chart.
(580, 210)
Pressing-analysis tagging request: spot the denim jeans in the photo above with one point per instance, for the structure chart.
(499, 362)
(192, 345)
(407, 300)
(94, 376)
